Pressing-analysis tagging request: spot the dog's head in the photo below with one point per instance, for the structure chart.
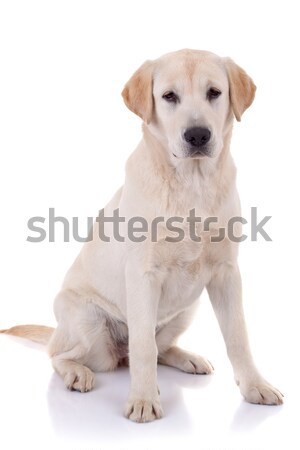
(187, 98)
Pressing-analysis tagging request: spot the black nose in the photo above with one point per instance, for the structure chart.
(197, 136)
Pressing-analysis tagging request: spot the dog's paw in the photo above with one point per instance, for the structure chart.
(197, 364)
(186, 361)
(139, 410)
(262, 393)
(82, 379)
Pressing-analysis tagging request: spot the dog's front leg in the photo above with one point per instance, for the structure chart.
(142, 293)
(225, 293)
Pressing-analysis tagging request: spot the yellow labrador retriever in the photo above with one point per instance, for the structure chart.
(134, 297)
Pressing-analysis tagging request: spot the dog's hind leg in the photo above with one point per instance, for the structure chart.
(76, 376)
(81, 343)
(170, 354)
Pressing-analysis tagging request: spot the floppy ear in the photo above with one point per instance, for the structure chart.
(241, 88)
(137, 93)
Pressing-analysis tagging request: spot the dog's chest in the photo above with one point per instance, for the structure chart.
(184, 270)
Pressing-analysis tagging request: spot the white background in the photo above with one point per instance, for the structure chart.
(64, 138)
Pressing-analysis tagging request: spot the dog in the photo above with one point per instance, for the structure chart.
(128, 301)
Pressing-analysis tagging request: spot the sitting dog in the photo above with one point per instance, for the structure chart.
(132, 298)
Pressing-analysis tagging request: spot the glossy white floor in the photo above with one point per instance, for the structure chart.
(37, 411)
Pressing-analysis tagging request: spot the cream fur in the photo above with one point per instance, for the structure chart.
(135, 299)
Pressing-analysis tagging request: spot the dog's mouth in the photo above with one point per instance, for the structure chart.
(195, 154)
(200, 154)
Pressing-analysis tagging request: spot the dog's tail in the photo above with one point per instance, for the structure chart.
(36, 333)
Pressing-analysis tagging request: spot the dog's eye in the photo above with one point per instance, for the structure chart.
(213, 93)
(170, 97)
